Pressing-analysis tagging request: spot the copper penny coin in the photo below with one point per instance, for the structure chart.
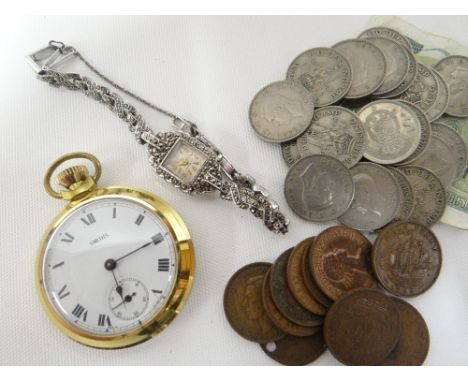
(413, 346)
(296, 351)
(296, 282)
(310, 283)
(243, 305)
(406, 258)
(279, 319)
(284, 299)
(362, 327)
(340, 261)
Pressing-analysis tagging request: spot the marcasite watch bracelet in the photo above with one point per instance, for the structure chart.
(184, 157)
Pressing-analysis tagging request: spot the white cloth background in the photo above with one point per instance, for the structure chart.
(206, 69)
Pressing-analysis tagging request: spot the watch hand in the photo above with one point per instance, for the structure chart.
(128, 298)
(119, 288)
(110, 264)
(134, 251)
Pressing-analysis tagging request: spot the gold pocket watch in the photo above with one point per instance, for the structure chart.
(116, 265)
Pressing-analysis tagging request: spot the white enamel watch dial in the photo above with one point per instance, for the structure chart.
(110, 266)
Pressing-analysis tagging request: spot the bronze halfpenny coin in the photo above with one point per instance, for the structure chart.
(406, 258)
(296, 351)
(279, 319)
(413, 346)
(362, 327)
(284, 299)
(243, 305)
(340, 261)
(296, 281)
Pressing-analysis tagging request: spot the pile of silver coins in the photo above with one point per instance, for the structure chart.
(359, 125)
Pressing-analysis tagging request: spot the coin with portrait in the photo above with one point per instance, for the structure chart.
(442, 100)
(387, 33)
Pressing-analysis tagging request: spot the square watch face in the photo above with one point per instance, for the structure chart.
(184, 161)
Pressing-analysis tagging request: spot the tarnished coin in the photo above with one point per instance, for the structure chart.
(429, 195)
(456, 144)
(284, 299)
(281, 111)
(340, 261)
(296, 351)
(424, 90)
(367, 64)
(397, 63)
(243, 305)
(407, 196)
(413, 346)
(454, 69)
(290, 152)
(324, 72)
(388, 33)
(355, 104)
(319, 188)
(334, 131)
(393, 131)
(442, 100)
(376, 199)
(425, 133)
(279, 319)
(310, 283)
(296, 281)
(406, 258)
(439, 159)
(362, 327)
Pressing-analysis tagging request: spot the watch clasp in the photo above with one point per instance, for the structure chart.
(49, 57)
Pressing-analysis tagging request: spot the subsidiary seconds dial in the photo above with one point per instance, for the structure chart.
(110, 266)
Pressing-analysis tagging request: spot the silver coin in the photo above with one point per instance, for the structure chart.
(392, 34)
(456, 144)
(290, 152)
(424, 90)
(407, 196)
(409, 79)
(319, 188)
(376, 198)
(425, 133)
(324, 72)
(334, 131)
(454, 69)
(397, 63)
(393, 131)
(429, 195)
(367, 64)
(438, 159)
(441, 103)
(281, 111)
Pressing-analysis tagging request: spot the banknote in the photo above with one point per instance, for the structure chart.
(429, 49)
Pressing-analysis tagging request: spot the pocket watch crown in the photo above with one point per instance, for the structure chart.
(72, 177)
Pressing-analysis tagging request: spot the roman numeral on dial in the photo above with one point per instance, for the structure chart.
(103, 319)
(139, 219)
(68, 238)
(80, 310)
(89, 219)
(163, 265)
(63, 292)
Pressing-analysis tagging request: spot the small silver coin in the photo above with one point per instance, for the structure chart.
(397, 63)
(393, 131)
(407, 196)
(438, 159)
(376, 198)
(392, 34)
(442, 100)
(456, 144)
(324, 72)
(425, 133)
(319, 188)
(454, 69)
(424, 90)
(281, 111)
(429, 195)
(334, 131)
(290, 152)
(367, 64)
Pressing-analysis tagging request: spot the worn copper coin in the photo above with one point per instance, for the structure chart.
(243, 304)
(413, 346)
(296, 351)
(340, 261)
(296, 281)
(279, 319)
(362, 327)
(284, 299)
(406, 258)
